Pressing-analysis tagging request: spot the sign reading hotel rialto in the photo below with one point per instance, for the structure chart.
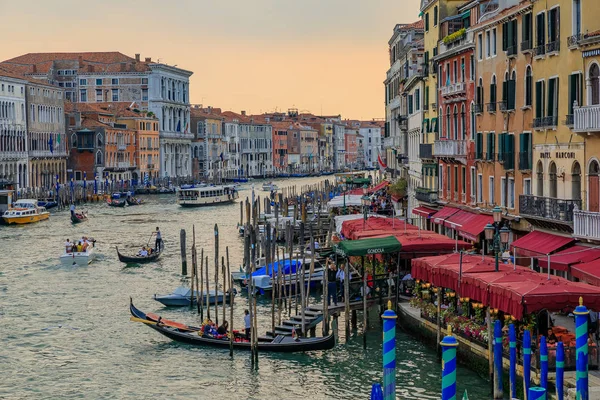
(558, 154)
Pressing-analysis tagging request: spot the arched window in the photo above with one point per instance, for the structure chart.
(479, 97)
(505, 91)
(594, 186)
(99, 141)
(594, 84)
(552, 178)
(455, 130)
(98, 157)
(493, 90)
(528, 86)
(576, 181)
(463, 122)
(540, 179)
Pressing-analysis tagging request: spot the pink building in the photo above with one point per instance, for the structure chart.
(351, 145)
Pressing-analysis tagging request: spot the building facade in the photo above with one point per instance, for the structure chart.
(371, 132)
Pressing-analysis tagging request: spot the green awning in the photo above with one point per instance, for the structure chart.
(426, 125)
(466, 14)
(365, 247)
(420, 14)
(358, 181)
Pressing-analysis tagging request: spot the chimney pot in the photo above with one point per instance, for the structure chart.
(137, 57)
(148, 59)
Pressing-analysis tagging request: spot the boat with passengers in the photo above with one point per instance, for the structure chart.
(25, 211)
(192, 196)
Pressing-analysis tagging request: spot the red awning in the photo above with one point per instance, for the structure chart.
(472, 228)
(587, 272)
(446, 212)
(562, 260)
(538, 242)
(424, 211)
(456, 220)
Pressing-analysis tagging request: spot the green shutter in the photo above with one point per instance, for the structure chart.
(501, 140)
(551, 88)
(572, 92)
(493, 137)
(509, 158)
(511, 95)
(504, 36)
(510, 35)
(505, 91)
(539, 100)
(515, 33)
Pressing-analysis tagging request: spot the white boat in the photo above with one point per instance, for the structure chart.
(206, 196)
(269, 187)
(25, 211)
(78, 258)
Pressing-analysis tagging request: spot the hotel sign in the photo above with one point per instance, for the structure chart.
(591, 53)
(558, 154)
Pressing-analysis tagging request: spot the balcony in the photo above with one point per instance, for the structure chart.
(47, 153)
(526, 46)
(425, 107)
(121, 147)
(553, 47)
(426, 195)
(456, 41)
(453, 89)
(507, 159)
(491, 107)
(434, 105)
(539, 50)
(477, 108)
(569, 120)
(489, 156)
(13, 155)
(586, 224)
(511, 51)
(525, 161)
(587, 119)
(503, 106)
(545, 122)
(425, 151)
(573, 41)
(450, 148)
(548, 208)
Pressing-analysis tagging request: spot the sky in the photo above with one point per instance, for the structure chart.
(327, 57)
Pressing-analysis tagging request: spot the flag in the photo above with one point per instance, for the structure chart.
(179, 126)
(382, 165)
(221, 156)
(58, 139)
(187, 127)
(51, 144)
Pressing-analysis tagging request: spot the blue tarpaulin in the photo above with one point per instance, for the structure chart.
(285, 268)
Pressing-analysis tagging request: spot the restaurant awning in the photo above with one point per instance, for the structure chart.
(587, 272)
(562, 260)
(474, 226)
(424, 211)
(364, 247)
(456, 220)
(539, 243)
(444, 213)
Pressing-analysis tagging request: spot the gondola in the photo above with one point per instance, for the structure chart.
(116, 202)
(77, 218)
(132, 201)
(191, 335)
(138, 259)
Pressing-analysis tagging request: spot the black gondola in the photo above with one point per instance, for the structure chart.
(138, 259)
(132, 201)
(190, 335)
(116, 202)
(77, 218)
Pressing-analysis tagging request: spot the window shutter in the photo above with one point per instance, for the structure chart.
(489, 146)
(514, 33)
(509, 161)
(510, 34)
(572, 92)
(551, 88)
(504, 36)
(504, 91)
(493, 137)
(501, 142)
(557, 24)
(539, 101)
(511, 94)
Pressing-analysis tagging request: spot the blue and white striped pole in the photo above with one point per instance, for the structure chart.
(512, 342)
(389, 353)
(581, 349)
(543, 363)
(449, 345)
(498, 387)
(537, 393)
(527, 361)
(560, 371)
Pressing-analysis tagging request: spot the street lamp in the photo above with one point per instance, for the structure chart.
(498, 237)
(344, 194)
(366, 203)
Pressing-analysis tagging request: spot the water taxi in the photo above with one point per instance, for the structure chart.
(79, 258)
(25, 211)
(269, 187)
(206, 196)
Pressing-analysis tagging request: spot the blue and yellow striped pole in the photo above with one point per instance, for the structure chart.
(449, 345)
(543, 363)
(560, 370)
(498, 387)
(527, 361)
(537, 393)
(389, 353)
(512, 342)
(581, 349)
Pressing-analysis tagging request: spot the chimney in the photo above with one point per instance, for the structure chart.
(243, 113)
(148, 59)
(123, 67)
(90, 68)
(137, 57)
(80, 58)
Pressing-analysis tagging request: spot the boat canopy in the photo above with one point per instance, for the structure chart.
(365, 247)
(286, 267)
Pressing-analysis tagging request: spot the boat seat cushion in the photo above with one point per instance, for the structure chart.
(278, 339)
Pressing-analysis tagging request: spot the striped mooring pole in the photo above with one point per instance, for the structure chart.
(543, 363)
(537, 393)
(449, 345)
(527, 361)
(498, 387)
(560, 370)
(512, 342)
(389, 353)
(581, 349)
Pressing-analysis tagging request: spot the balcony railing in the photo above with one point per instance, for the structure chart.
(434, 105)
(490, 156)
(586, 224)
(545, 122)
(425, 151)
(548, 208)
(573, 41)
(121, 147)
(450, 148)
(553, 47)
(587, 119)
(426, 195)
(511, 51)
(539, 50)
(477, 108)
(569, 120)
(525, 161)
(491, 107)
(508, 160)
(502, 105)
(453, 89)
(426, 107)
(526, 46)
(13, 155)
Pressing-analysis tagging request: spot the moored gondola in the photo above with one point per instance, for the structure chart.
(193, 335)
(116, 202)
(78, 217)
(138, 259)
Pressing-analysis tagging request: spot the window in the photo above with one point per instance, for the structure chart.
(491, 193)
(512, 91)
(527, 33)
(410, 104)
(115, 94)
(539, 99)
(540, 34)
(528, 87)
(462, 69)
(552, 97)
(488, 44)
(502, 192)
(447, 73)
(594, 77)
(82, 95)
(435, 16)
(473, 125)
(455, 130)
(144, 81)
(447, 133)
(479, 94)
(527, 186)
(472, 68)
(427, 22)
(511, 193)
(99, 96)
(455, 179)
(494, 42)
(493, 90)
(576, 17)
(464, 181)
(83, 82)
(144, 94)
(114, 81)
(463, 122)
(479, 188)
(575, 84)
(417, 100)
(455, 64)
(480, 46)
(509, 37)
(553, 29)
(99, 82)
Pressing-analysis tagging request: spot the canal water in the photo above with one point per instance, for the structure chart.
(66, 332)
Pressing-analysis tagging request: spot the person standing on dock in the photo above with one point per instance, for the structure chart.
(158, 243)
(331, 282)
(247, 323)
(341, 275)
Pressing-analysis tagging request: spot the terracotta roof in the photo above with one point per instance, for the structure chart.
(92, 123)
(101, 61)
(419, 24)
(214, 113)
(12, 73)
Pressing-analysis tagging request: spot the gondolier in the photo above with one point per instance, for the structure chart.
(72, 208)
(158, 243)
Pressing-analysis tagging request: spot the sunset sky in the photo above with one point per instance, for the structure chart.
(323, 56)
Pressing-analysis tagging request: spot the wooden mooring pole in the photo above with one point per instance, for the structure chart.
(183, 252)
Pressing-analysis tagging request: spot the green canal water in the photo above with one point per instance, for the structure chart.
(66, 332)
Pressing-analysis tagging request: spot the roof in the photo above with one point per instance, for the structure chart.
(539, 242)
(446, 212)
(349, 248)
(108, 61)
(562, 260)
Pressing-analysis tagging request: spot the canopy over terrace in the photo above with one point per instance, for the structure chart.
(370, 190)
(379, 226)
(564, 259)
(588, 272)
(516, 291)
(539, 243)
(352, 200)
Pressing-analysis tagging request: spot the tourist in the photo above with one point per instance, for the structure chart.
(506, 256)
(79, 247)
(331, 282)
(143, 252)
(341, 275)
(68, 246)
(247, 323)
(551, 337)
(223, 328)
(158, 243)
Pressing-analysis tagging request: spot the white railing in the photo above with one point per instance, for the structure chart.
(123, 165)
(450, 148)
(452, 89)
(586, 224)
(12, 155)
(47, 153)
(586, 119)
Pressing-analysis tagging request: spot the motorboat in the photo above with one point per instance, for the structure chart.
(25, 211)
(206, 196)
(79, 258)
(269, 187)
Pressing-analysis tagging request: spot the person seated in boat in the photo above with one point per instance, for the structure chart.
(79, 247)
(222, 330)
(150, 250)
(68, 246)
(84, 246)
(143, 252)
